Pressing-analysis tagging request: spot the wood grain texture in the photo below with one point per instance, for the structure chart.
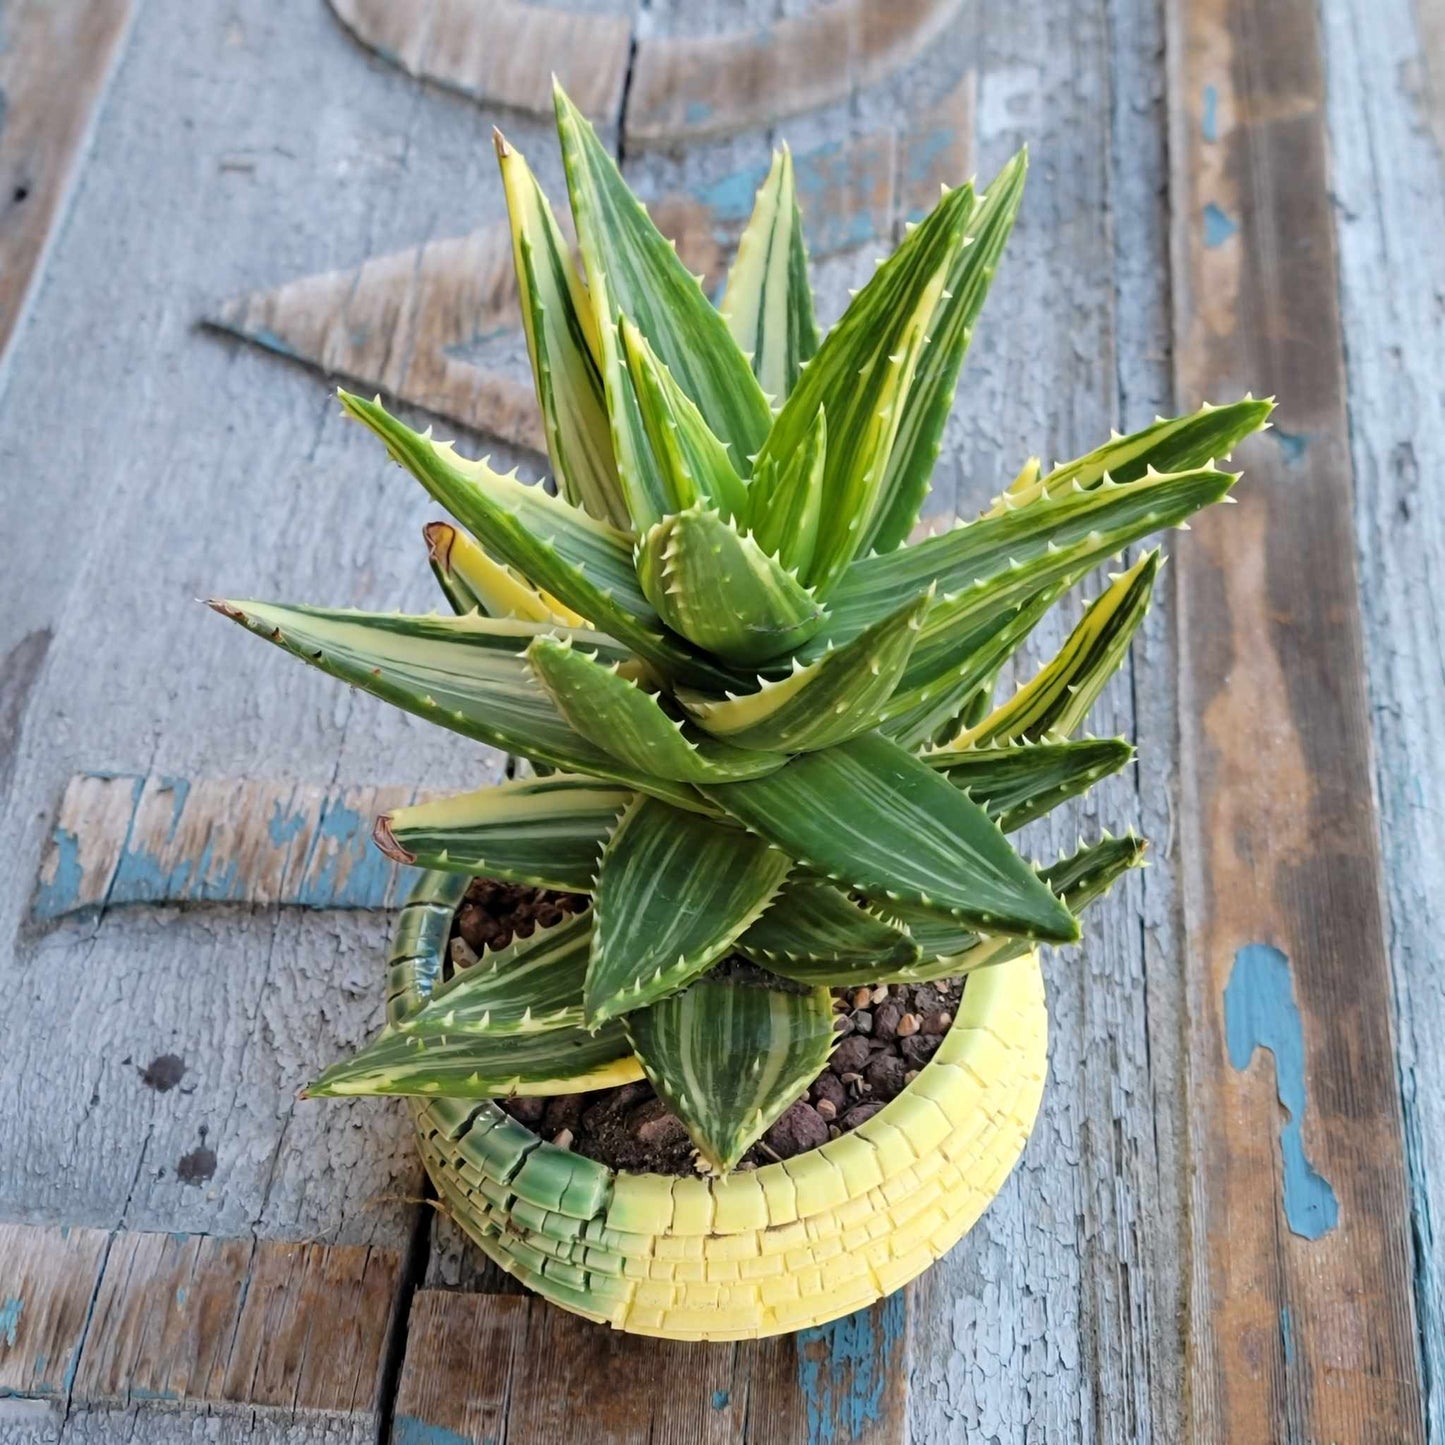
(438, 324)
(688, 88)
(1388, 179)
(203, 467)
(500, 52)
(53, 68)
(1302, 1323)
(48, 1279)
(488, 1367)
(120, 838)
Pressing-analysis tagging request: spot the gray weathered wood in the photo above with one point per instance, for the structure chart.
(1389, 186)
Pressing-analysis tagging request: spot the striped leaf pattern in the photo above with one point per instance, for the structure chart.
(546, 832)
(674, 893)
(730, 1054)
(768, 303)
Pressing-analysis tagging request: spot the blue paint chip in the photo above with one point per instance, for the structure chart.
(1260, 1012)
(1286, 1334)
(1209, 116)
(843, 1370)
(1293, 445)
(720, 1399)
(1219, 226)
(408, 1430)
(10, 1319)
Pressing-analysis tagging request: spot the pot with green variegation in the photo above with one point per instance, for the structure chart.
(768, 754)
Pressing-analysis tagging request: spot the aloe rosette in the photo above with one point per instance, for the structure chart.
(763, 726)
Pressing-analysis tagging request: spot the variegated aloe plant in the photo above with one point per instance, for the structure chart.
(763, 722)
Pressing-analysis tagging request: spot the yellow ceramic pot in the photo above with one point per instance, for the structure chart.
(780, 1248)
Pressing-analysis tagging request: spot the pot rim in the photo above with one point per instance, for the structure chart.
(440, 894)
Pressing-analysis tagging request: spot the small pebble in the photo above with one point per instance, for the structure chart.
(851, 1077)
(936, 1021)
(563, 1139)
(862, 997)
(863, 1021)
(827, 1110)
(885, 1020)
(796, 1130)
(907, 1025)
(850, 1055)
(858, 1114)
(885, 1076)
(843, 1024)
(909, 1077)
(463, 955)
(834, 1132)
(918, 1049)
(830, 1087)
(880, 992)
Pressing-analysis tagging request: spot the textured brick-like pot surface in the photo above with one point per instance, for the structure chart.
(780, 1248)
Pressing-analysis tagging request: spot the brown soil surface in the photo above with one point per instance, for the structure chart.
(888, 1033)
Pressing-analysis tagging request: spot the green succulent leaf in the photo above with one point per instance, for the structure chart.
(1018, 783)
(1057, 699)
(690, 464)
(674, 892)
(812, 929)
(729, 1054)
(473, 582)
(927, 698)
(768, 303)
(556, 313)
(721, 591)
(985, 567)
(1079, 880)
(555, 546)
(533, 985)
(633, 270)
(617, 715)
(1174, 444)
(831, 700)
(484, 1066)
(786, 497)
(863, 373)
(468, 674)
(870, 816)
(930, 399)
(546, 832)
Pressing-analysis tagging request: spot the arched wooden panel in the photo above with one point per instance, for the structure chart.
(501, 52)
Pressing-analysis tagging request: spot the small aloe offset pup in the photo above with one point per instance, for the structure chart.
(762, 722)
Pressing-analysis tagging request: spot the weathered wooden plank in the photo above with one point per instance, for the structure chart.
(1056, 1317)
(501, 52)
(96, 1320)
(438, 324)
(121, 838)
(491, 1367)
(33, 1422)
(1301, 1320)
(48, 1279)
(1386, 65)
(200, 467)
(53, 68)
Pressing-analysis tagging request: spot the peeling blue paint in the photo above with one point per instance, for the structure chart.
(1292, 445)
(1260, 1012)
(341, 868)
(720, 1399)
(843, 1370)
(264, 336)
(408, 1430)
(180, 1294)
(10, 1319)
(731, 197)
(1219, 226)
(697, 112)
(1286, 1334)
(1209, 116)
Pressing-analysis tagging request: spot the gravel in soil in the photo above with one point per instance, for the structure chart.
(888, 1033)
